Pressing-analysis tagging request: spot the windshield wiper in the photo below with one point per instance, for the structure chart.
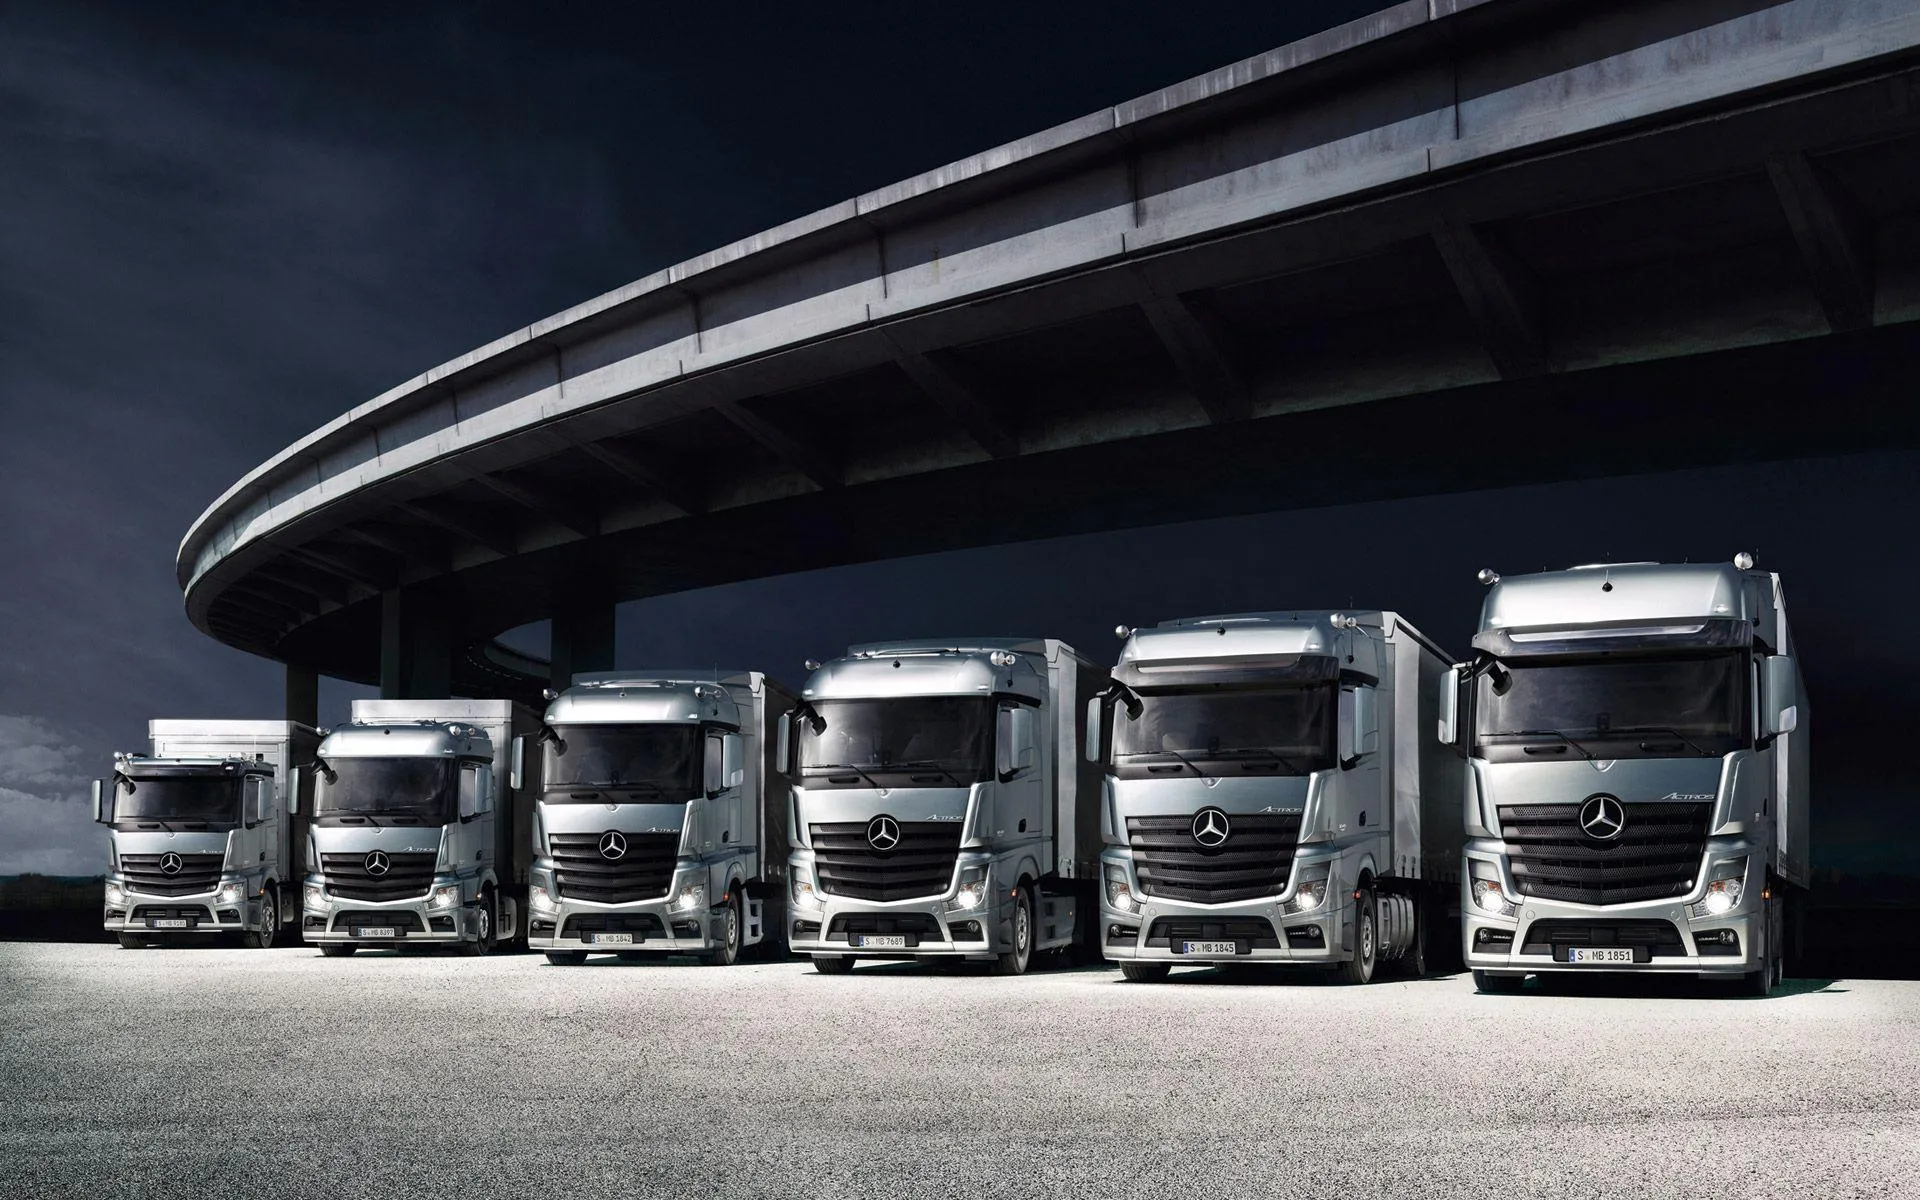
(925, 765)
(1666, 729)
(1250, 754)
(842, 767)
(1183, 758)
(1588, 754)
(365, 814)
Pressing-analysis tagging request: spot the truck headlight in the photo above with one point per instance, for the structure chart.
(316, 896)
(1487, 893)
(803, 894)
(1119, 894)
(692, 896)
(229, 893)
(445, 897)
(973, 891)
(116, 894)
(1725, 885)
(540, 901)
(1310, 892)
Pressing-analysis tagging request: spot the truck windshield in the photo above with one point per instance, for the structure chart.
(948, 737)
(652, 758)
(179, 798)
(418, 788)
(1612, 708)
(1287, 731)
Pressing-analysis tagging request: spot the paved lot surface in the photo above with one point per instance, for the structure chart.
(233, 1074)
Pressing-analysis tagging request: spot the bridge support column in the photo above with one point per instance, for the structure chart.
(303, 695)
(416, 646)
(582, 635)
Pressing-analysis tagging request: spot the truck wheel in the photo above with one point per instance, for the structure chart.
(262, 938)
(1016, 958)
(832, 966)
(728, 951)
(1414, 963)
(132, 941)
(483, 943)
(1487, 981)
(337, 950)
(566, 958)
(1144, 972)
(1366, 944)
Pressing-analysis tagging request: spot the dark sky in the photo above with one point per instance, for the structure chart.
(221, 225)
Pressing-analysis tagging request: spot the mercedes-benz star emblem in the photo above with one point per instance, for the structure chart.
(170, 863)
(1210, 827)
(1603, 818)
(883, 833)
(613, 845)
(377, 862)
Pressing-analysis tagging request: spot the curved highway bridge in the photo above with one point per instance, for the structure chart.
(1457, 244)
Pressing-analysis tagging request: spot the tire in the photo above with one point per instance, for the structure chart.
(832, 966)
(1366, 944)
(731, 930)
(1016, 959)
(262, 938)
(1144, 972)
(566, 958)
(482, 945)
(1414, 963)
(132, 941)
(1493, 984)
(337, 950)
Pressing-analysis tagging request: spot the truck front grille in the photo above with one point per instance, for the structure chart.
(920, 864)
(1255, 930)
(198, 873)
(643, 872)
(1655, 857)
(1646, 938)
(1255, 860)
(406, 877)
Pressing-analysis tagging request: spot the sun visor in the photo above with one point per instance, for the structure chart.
(1227, 672)
(1639, 637)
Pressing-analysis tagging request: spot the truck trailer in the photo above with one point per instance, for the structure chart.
(205, 830)
(421, 826)
(941, 805)
(1275, 793)
(1637, 770)
(662, 824)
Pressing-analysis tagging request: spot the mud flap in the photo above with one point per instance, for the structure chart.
(754, 917)
(509, 920)
(1057, 922)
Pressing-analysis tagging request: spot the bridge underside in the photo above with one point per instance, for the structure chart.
(1727, 283)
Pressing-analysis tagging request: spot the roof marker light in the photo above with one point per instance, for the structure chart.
(1743, 560)
(1489, 576)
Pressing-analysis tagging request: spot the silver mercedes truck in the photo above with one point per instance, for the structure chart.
(941, 805)
(1637, 772)
(421, 826)
(1275, 793)
(662, 823)
(206, 835)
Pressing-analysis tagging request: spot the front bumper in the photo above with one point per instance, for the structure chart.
(1661, 934)
(413, 922)
(839, 926)
(202, 912)
(658, 926)
(1263, 928)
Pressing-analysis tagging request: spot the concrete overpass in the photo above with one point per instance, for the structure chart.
(1457, 244)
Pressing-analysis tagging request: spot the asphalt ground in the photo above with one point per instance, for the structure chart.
(232, 1074)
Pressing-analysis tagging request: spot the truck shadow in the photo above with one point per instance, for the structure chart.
(1670, 987)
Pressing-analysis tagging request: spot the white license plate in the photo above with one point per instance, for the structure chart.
(883, 941)
(1601, 954)
(1209, 948)
(169, 923)
(374, 931)
(610, 939)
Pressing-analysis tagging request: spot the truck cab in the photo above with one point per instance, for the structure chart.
(205, 831)
(1636, 738)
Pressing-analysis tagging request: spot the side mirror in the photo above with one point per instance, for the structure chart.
(733, 753)
(476, 792)
(294, 778)
(1358, 734)
(714, 773)
(1780, 702)
(1096, 711)
(1013, 740)
(517, 765)
(102, 804)
(262, 802)
(1449, 731)
(783, 749)
(1025, 744)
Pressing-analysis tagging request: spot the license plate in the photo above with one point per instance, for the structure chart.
(169, 923)
(374, 931)
(1209, 947)
(882, 941)
(610, 939)
(1601, 954)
